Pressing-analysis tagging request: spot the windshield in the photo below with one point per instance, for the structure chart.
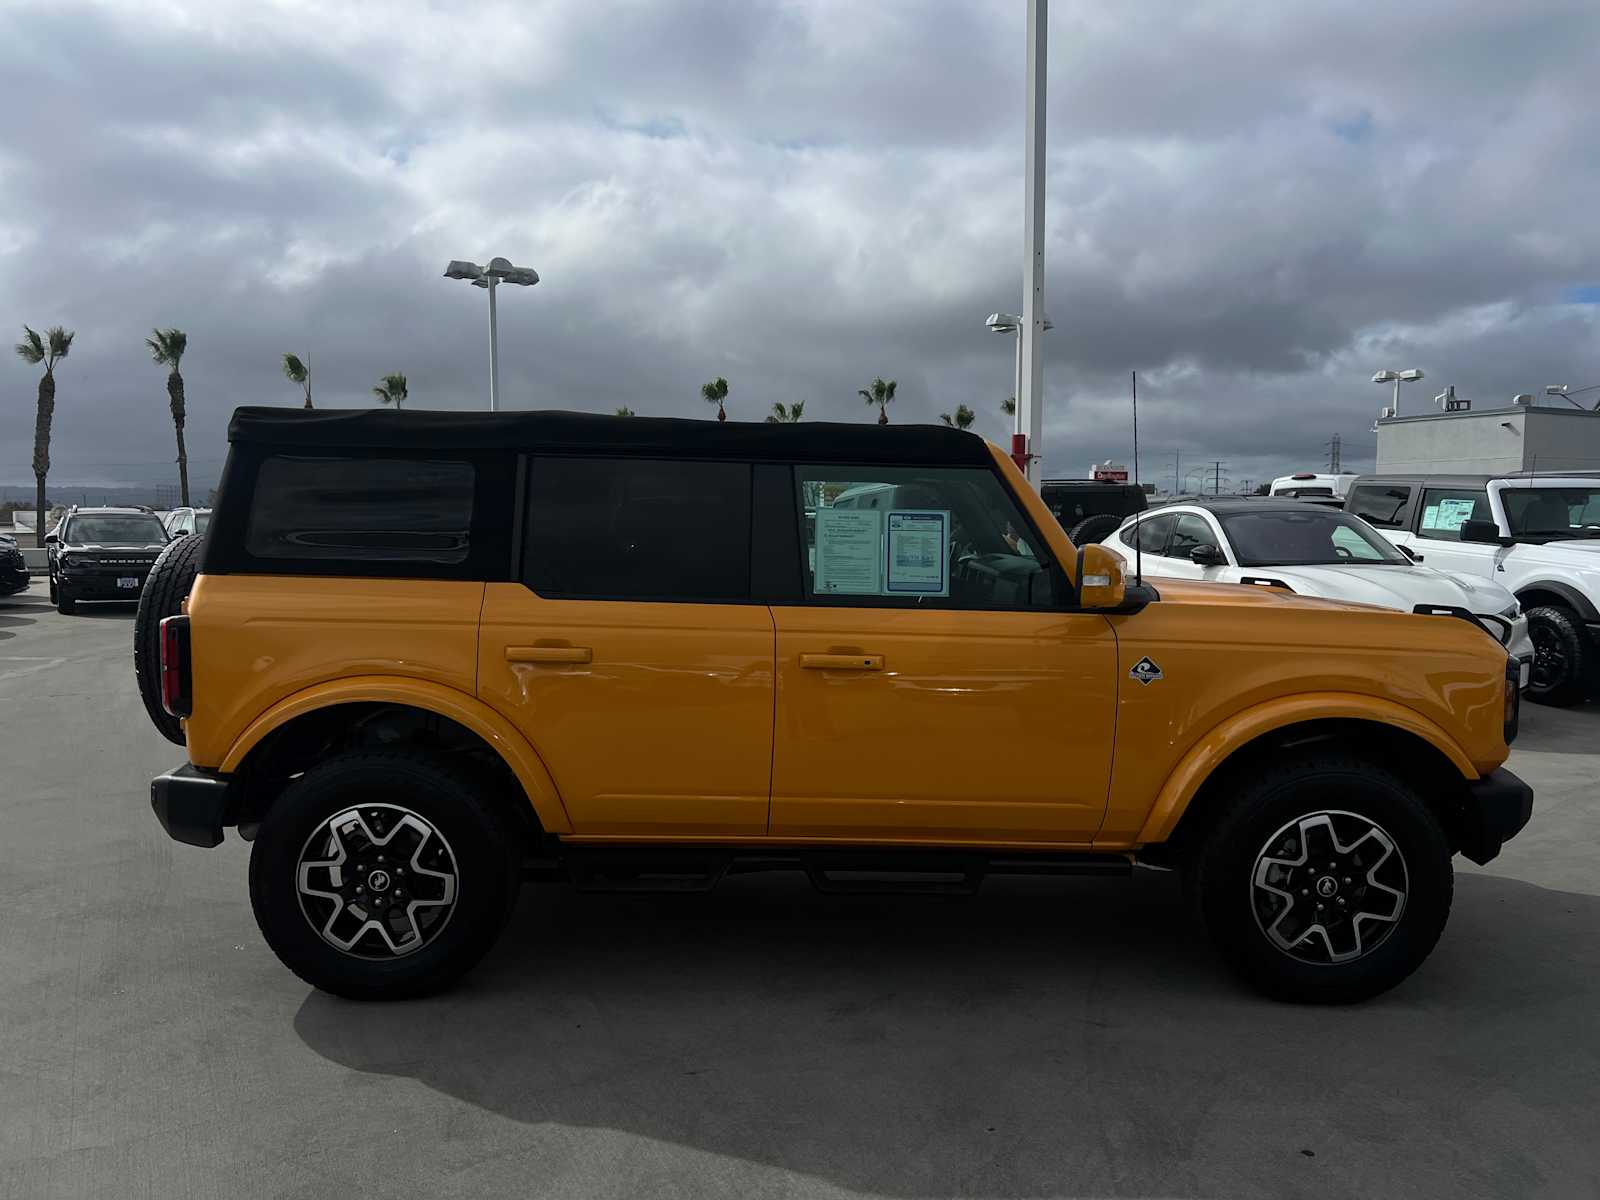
(115, 531)
(1552, 511)
(1317, 536)
(201, 520)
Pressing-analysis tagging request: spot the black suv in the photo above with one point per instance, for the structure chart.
(102, 554)
(1091, 509)
(13, 570)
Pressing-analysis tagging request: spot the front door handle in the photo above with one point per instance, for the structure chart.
(549, 654)
(842, 662)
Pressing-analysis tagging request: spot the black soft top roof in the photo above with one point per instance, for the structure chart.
(574, 432)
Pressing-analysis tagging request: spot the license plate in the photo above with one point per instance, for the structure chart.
(128, 581)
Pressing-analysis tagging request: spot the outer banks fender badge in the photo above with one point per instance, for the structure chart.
(1145, 671)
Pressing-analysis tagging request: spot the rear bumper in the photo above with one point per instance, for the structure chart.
(1497, 807)
(193, 805)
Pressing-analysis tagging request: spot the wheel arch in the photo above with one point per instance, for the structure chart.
(348, 703)
(1543, 592)
(1401, 739)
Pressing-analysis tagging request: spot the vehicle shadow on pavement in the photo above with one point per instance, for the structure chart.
(9, 622)
(1041, 1037)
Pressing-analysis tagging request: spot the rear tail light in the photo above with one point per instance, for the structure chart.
(175, 676)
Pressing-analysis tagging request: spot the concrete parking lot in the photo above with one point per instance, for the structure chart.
(1044, 1039)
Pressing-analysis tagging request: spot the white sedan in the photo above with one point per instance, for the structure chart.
(1310, 550)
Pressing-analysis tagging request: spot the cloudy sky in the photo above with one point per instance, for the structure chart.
(1254, 203)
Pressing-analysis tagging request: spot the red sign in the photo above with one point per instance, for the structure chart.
(1111, 473)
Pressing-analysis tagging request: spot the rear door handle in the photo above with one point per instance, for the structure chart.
(549, 654)
(842, 662)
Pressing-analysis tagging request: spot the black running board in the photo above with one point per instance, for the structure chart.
(843, 871)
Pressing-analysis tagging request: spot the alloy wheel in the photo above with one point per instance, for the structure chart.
(1329, 887)
(377, 881)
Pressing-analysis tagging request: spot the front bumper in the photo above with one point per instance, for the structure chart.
(194, 805)
(98, 585)
(1496, 808)
(1520, 647)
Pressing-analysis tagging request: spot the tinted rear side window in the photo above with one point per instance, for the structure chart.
(362, 510)
(1380, 504)
(638, 529)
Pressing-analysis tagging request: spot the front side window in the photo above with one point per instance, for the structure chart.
(1552, 511)
(1316, 537)
(361, 510)
(114, 531)
(1380, 504)
(1444, 510)
(1148, 534)
(638, 529)
(949, 537)
(1190, 531)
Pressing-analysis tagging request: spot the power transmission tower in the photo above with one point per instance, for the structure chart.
(1333, 455)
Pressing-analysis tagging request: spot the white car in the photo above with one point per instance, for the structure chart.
(1313, 551)
(1538, 535)
(181, 521)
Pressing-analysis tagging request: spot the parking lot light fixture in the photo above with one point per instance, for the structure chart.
(499, 270)
(1410, 375)
(1567, 393)
(1011, 323)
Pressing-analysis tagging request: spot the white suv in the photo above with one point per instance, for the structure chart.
(1539, 535)
(1313, 551)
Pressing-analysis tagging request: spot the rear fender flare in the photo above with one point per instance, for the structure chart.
(1214, 748)
(501, 736)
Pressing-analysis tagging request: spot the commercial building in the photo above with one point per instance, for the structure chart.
(1492, 441)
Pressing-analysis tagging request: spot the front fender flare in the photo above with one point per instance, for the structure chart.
(468, 711)
(1575, 598)
(1213, 749)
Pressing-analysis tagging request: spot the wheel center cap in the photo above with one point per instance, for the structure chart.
(1327, 886)
(379, 881)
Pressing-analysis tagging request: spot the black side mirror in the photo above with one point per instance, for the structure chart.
(50, 539)
(1483, 531)
(1409, 552)
(1207, 555)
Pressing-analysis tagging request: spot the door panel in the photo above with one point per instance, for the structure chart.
(942, 724)
(654, 719)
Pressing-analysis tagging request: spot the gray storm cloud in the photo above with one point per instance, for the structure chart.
(1253, 204)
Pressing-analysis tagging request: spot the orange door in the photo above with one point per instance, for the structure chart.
(913, 723)
(654, 719)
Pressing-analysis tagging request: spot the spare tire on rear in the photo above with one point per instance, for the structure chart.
(165, 589)
(1094, 529)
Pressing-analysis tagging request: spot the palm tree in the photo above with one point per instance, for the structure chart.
(391, 389)
(299, 372)
(962, 420)
(882, 394)
(1009, 406)
(716, 392)
(49, 350)
(166, 348)
(625, 411)
(783, 414)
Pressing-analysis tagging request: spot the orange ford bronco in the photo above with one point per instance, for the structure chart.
(428, 655)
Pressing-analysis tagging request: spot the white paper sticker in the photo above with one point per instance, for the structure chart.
(1430, 517)
(917, 560)
(1453, 512)
(849, 552)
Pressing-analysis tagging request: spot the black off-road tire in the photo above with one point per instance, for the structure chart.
(1561, 663)
(52, 590)
(1094, 529)
(1265, 802)
(66, 605)
(479, 838)
(163, 594)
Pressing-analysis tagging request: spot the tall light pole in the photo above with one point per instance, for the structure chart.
(1010, 323)
(1028, 445)
(1397, 378)
(498, 271)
